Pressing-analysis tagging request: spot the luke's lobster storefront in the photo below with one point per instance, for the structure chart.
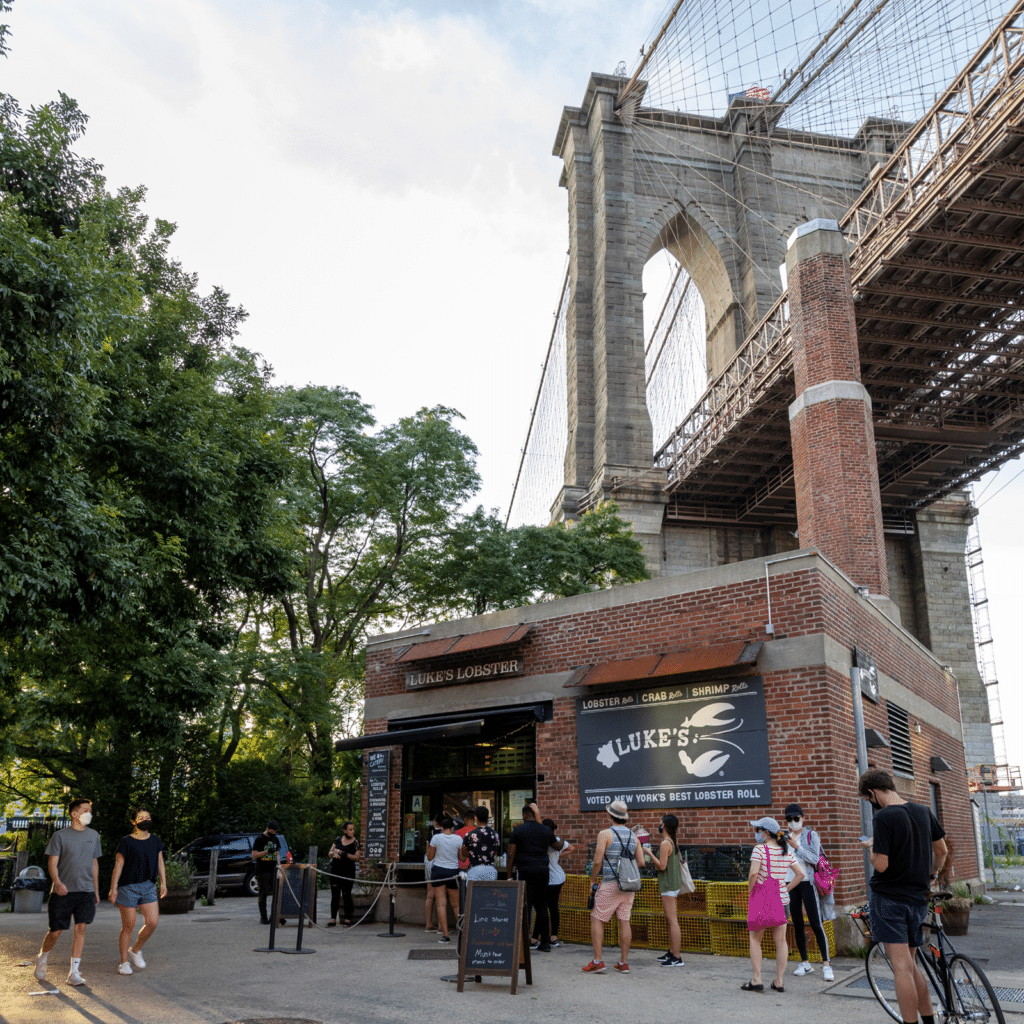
(671, 696)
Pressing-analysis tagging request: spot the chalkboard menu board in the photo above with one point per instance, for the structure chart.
(291, 890)
(379, 764)
(493, 940)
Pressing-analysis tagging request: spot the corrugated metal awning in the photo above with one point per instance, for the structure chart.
(466, 643)
(735, 654)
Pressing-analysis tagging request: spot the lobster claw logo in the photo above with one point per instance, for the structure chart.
(713, 721)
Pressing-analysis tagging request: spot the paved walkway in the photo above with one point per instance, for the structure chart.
(203, 971)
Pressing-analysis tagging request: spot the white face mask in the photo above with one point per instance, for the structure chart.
(85, 818)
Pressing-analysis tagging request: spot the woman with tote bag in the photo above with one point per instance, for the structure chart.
(769, 895)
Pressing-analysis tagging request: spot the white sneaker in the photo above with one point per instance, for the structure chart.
(40, 971)
(827, 974)
(74, 978)
(125, 968)
(136, 959)
(804, 968)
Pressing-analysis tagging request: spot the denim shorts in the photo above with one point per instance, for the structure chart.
(897, 922)
(138, 894)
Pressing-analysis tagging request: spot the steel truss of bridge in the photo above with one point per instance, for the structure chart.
(937, 263)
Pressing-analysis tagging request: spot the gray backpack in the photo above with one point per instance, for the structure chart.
(627, 874)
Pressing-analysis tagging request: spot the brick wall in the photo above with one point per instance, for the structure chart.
(809, 712)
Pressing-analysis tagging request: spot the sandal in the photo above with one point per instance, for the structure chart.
(751, 987)
(778, 988)
(331, 924)
(348, 924)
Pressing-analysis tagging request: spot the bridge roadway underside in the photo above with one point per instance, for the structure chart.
(939, 299)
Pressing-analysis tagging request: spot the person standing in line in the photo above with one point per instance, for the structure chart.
(138, 863)
(528, 857)
(482, 847)
(343, 854)
(670, 884)
(463, 828)
(266, 851)
(443, 852)
(72, 861)
(556, 879)
(431, 900)
(768, 864)
(806, 847)
(908, 852)
(613, 843)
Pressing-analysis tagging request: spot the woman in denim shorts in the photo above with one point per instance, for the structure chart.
(138, 862)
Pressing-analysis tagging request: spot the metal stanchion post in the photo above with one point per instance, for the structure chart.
(302, 915)
(273, 915)
(391, 933)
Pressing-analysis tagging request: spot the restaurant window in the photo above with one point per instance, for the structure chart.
(495, 769)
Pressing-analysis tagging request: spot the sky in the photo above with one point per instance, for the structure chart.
(374, 183)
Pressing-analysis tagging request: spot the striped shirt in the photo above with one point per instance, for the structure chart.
(780, 864)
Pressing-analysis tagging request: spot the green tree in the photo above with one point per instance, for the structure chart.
(142, 478)
(374, 504)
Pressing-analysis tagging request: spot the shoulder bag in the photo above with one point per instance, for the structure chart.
(684, 873)
(824, 874)
(764, 908)
(627, 874)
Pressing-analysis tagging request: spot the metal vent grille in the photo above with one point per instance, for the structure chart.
(899, 739)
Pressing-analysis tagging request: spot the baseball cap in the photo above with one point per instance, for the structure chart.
(768, 824)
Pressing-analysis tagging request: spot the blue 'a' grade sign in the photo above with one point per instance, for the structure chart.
(675, 745)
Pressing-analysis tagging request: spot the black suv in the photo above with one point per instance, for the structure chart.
(235, 865)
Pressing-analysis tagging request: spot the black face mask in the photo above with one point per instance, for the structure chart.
(145, 826)
(661, 828)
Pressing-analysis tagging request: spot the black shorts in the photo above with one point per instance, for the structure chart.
(80, 905)
(444, 878)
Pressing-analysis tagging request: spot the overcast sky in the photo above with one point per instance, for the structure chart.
(374, 183)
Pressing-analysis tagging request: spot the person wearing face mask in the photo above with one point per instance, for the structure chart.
(771, 862)
(806, 847)
(266, 851)
(343, 855)
(670, 883)
(138, 863)
(72, 860)
(907, 853)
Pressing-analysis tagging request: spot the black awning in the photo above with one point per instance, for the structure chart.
(395, 738)
(540, 712)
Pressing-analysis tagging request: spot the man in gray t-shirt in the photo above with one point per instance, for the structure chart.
(72, 859)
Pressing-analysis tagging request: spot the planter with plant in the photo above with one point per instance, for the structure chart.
(181, 887)
(956, 913)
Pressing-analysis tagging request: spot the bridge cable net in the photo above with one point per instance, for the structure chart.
(816, 85)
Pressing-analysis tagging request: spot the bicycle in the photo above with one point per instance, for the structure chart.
(960, 989)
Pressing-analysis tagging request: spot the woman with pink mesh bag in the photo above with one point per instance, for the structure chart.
(770, 863)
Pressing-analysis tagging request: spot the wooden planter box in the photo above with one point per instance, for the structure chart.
(178, 901)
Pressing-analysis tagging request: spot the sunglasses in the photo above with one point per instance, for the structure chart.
(797, 818)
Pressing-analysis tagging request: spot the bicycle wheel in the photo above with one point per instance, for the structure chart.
(882, 980)
(972, 995)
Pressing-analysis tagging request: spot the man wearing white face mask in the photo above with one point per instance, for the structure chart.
(72, 857)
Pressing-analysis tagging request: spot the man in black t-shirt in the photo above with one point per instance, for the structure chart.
(528, 856)
(266, 851)
(907, 853)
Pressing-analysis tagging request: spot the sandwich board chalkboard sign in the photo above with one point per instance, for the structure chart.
(494, 932)
(290, 881)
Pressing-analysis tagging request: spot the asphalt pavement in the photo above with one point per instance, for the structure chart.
(202, 969)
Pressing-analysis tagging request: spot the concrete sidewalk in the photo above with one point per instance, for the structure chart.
(203, 971)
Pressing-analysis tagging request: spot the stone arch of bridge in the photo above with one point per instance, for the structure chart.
(706, 252)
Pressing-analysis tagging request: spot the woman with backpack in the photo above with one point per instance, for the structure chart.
(806, 847)
(670, 883)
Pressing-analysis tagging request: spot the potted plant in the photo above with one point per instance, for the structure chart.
(956, 912)
(181, 887)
